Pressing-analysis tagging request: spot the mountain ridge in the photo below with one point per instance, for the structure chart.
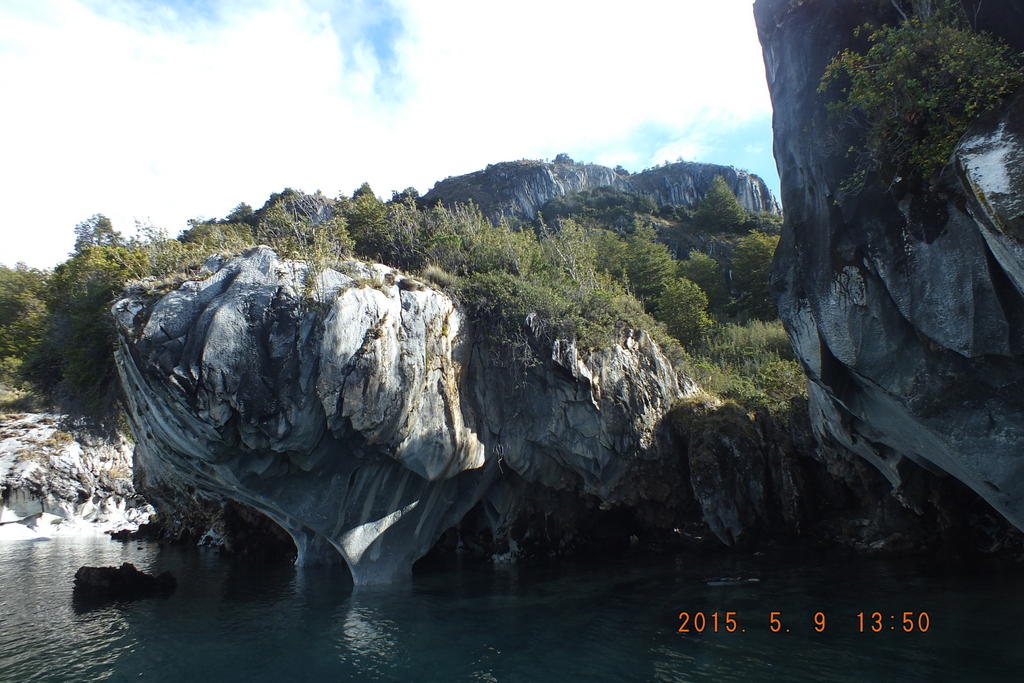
(518, 189)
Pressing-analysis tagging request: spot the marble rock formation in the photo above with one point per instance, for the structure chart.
(904, 305)
(520, 188)
(359, 411)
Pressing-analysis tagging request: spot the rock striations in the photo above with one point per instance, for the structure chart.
(520, 188)
(905, 306)
(360, 412)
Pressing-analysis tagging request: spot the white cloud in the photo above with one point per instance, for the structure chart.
(156, 114)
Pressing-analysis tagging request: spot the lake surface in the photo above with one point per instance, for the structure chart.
(596, 621)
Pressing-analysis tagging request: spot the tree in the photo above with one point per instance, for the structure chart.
(719, 211)
(683, 308)
(752, 262)
(610, 254)
(765, 221)
(705, 272)
(368, 224)
(22, 317)
(96, 231)
(649, 264)
(75, 363)
(242, 213)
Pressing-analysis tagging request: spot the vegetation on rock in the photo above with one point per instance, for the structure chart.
(916, 89)
(592, 264)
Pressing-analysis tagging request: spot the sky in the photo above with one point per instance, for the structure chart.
(158, 111)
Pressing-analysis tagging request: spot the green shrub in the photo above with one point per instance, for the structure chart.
(751, 265)
(750, 363)
(707, 274)
(75, 362)
(439, 277)
(22, 311)
(511, 310)
(683, 308)
(916, 89)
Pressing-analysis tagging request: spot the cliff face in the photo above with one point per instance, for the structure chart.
(59, 482)
(905, 307)
(366, 420)
(520, 188)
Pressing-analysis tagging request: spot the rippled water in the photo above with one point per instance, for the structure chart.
(610, 621)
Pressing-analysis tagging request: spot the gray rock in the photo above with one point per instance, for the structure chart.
(520, 188)
(904, 306)
(366, 420)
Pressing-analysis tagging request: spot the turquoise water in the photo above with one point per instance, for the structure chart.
(608, 621)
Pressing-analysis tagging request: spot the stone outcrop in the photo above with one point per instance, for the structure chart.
(57, 480)
(360, 412)
(121, 583)
(520, 188)
(685, 183)
(904, 305)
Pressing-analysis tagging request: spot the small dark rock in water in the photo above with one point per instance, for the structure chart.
(146, 532)
(122, 583)
(731, 581)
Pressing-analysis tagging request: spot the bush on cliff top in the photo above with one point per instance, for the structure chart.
(915, 91)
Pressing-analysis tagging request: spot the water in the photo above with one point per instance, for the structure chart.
(608, 621)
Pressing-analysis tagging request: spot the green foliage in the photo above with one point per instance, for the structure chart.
(367, 222)
(916, 89)
(766, 222)
(22, 310)
(493, 248)
(750, 363)
(571, 253)
(707, 274)
(610, 254)
(719, 211)
(511, 309)
(303, 226)
(76, 360)
(683, 308)
(523, 285)
(214, 236)
(97, 231)
(648, 263)
(752, 261)
(599, 206)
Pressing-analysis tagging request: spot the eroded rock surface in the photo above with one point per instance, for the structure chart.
(905, 305)
(359, 411)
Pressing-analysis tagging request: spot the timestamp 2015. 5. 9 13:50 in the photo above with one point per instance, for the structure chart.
(863, 622)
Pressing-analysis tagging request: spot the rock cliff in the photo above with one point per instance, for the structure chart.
(360, 412)
(55, 481)
(905, 306)
(520, 188)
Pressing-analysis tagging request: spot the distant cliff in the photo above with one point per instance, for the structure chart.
(520, 188)
(905, 305)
